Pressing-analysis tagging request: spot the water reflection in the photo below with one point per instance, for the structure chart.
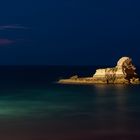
(70, 112)
(118, 89)
(114, 105)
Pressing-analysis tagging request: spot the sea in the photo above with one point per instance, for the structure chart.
(33, 106)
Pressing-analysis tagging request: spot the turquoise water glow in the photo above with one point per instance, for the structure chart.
(43, 110)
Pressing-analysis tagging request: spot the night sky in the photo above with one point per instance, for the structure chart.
(69, 32)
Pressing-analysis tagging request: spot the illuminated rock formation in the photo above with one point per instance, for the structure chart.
(122, 73)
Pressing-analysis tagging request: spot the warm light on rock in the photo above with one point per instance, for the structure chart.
(122, 73)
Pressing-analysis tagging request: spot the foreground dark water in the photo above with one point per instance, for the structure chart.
(34, 107)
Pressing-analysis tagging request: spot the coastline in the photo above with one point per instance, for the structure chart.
(87, 81)
(123, 73)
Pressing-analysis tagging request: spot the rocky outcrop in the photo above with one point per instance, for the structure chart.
(123, 73)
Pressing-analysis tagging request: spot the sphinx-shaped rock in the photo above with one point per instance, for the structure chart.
(123, 73)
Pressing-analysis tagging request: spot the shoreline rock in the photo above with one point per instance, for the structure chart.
(123, 73)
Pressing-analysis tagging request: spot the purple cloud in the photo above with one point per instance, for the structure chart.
(15, 26)
(4, 41)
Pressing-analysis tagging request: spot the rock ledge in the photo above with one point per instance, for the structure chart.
(123, 73)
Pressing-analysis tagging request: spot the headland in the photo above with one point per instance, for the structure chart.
(123, 73)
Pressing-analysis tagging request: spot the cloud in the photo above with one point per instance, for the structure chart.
(15, 26)
(4, 41)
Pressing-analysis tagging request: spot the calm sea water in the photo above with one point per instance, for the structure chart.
(34, 107)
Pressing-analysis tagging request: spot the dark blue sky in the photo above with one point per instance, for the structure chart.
(69, 32)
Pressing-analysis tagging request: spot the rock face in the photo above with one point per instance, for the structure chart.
(122, 73)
